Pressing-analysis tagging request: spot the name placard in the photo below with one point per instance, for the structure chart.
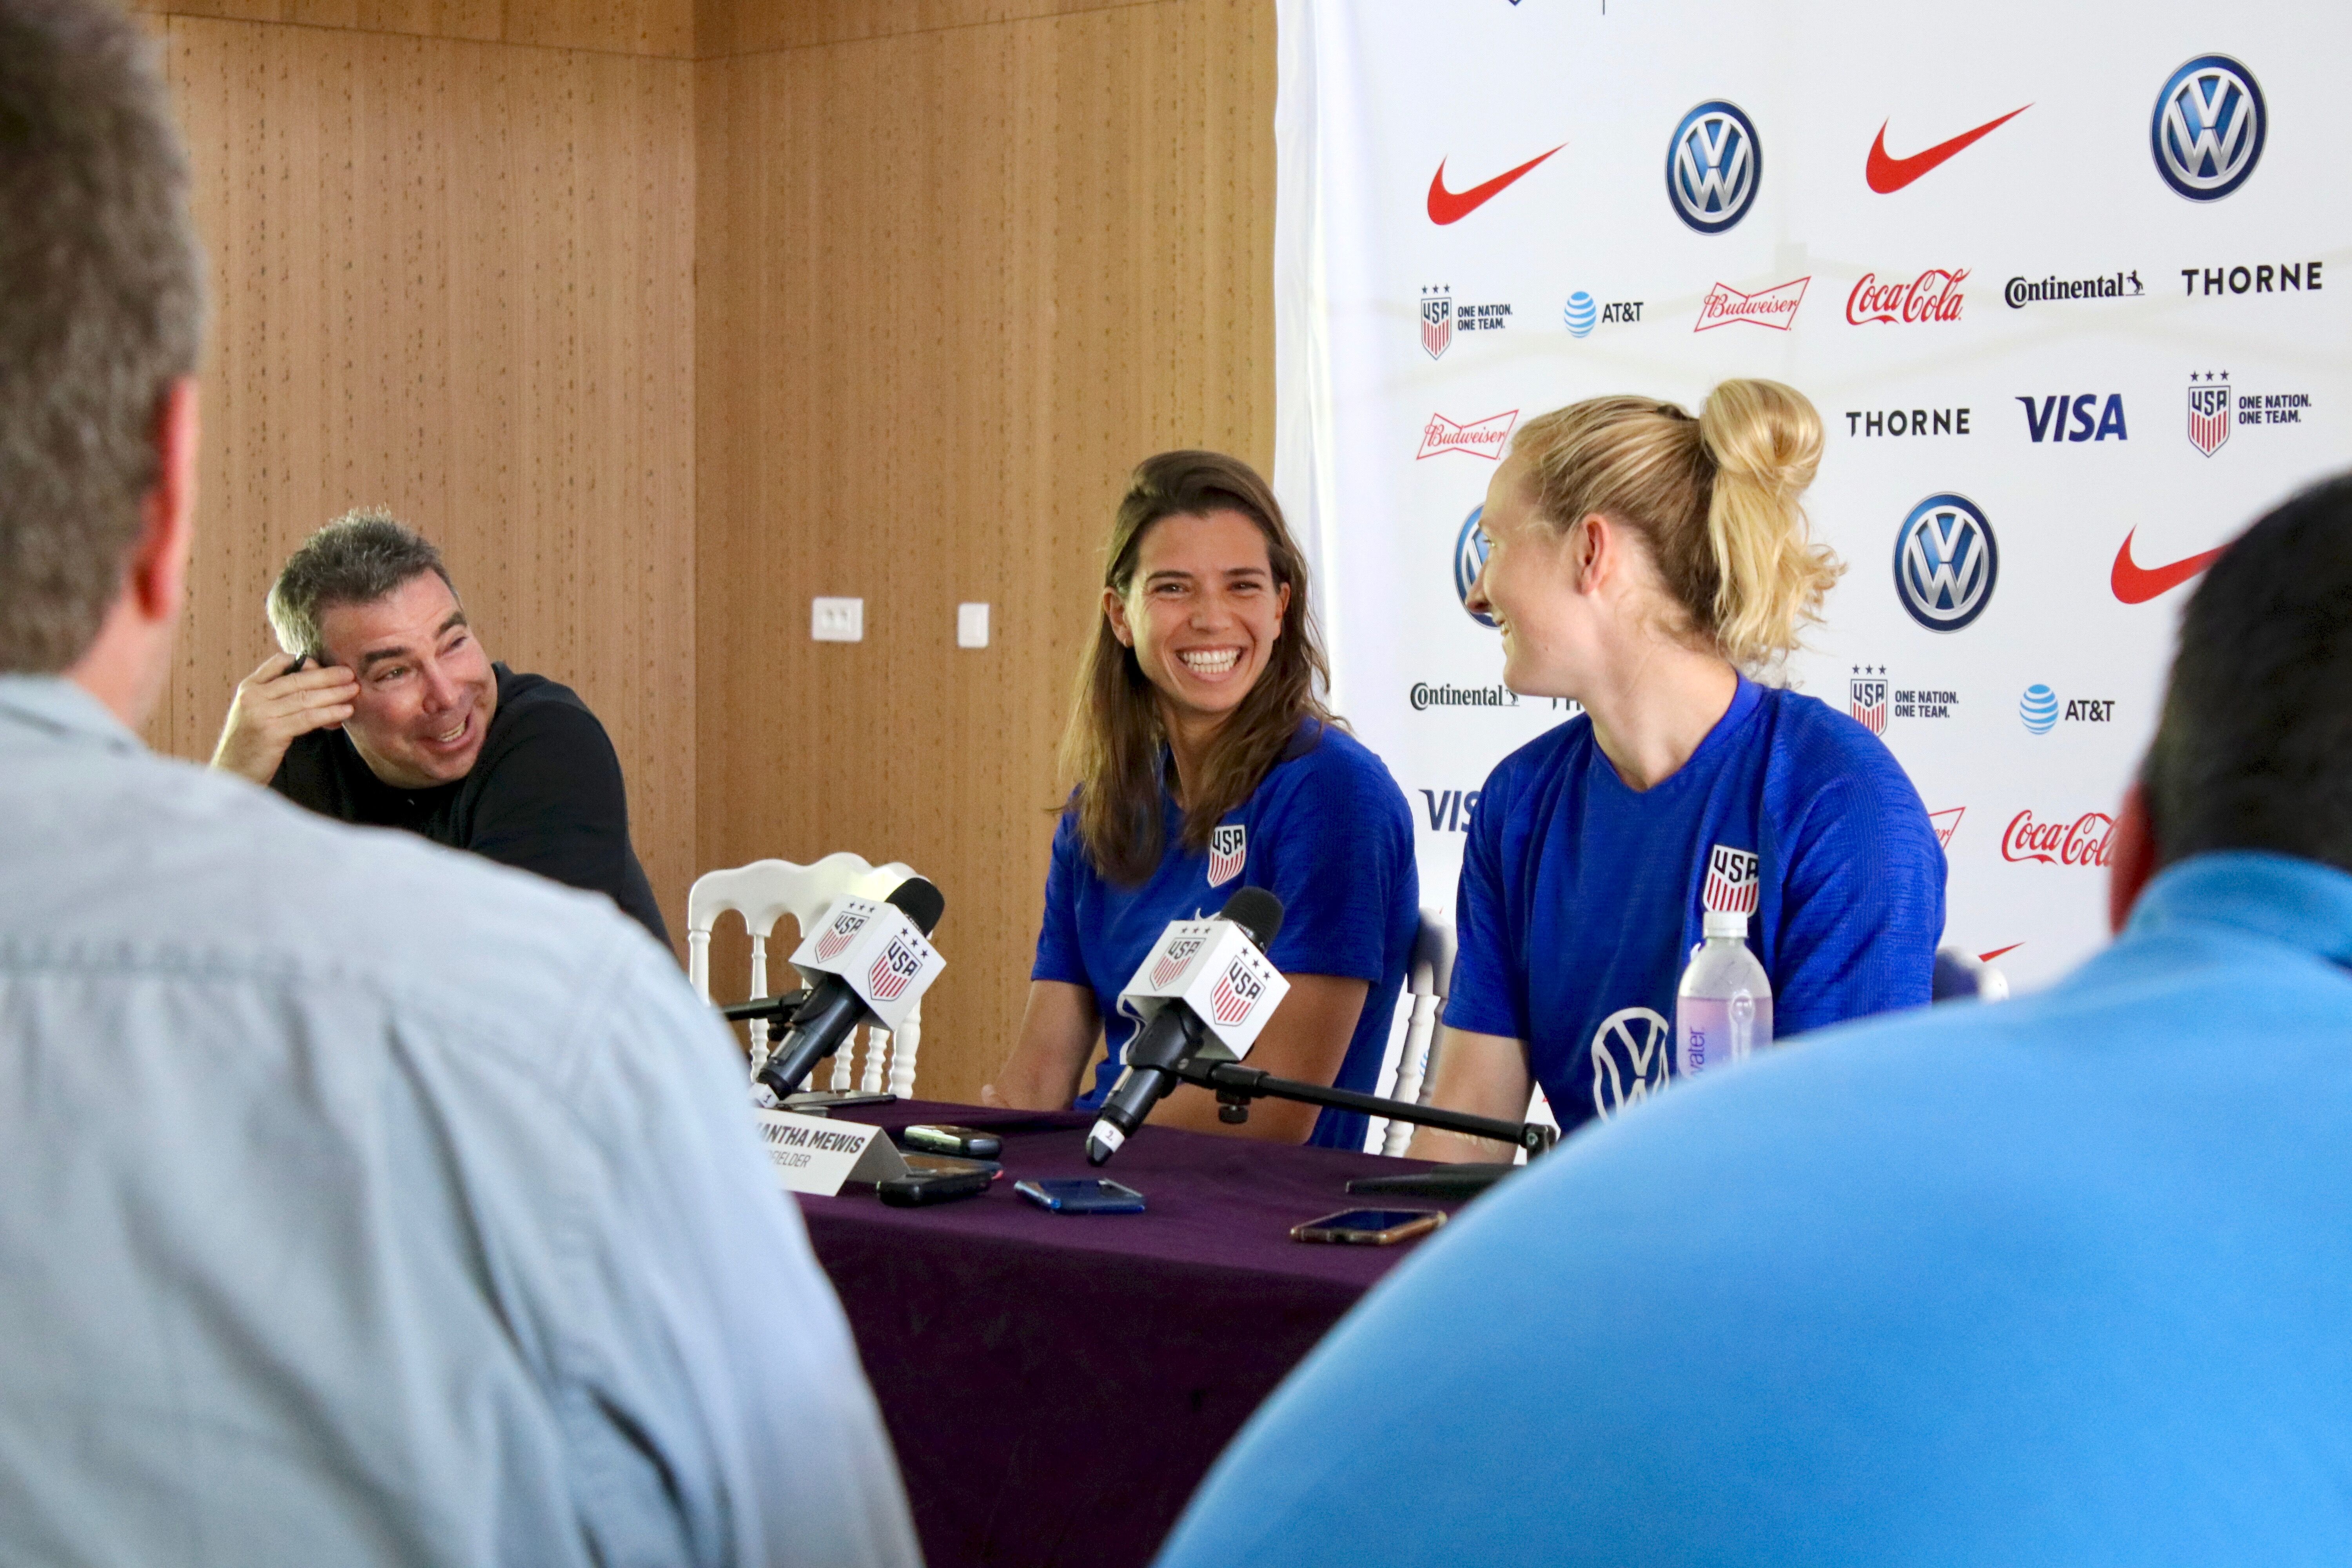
(812, 1154)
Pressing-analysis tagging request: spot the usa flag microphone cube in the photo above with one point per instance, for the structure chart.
(876, 951)
(1212, 968)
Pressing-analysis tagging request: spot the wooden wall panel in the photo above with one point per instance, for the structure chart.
(751, 26)
(660, 28)
(954, 284)
(455, 279)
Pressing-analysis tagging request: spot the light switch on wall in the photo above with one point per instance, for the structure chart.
(837, 620)
(972, 626)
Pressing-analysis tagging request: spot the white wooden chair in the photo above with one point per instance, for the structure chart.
(1427, 979)
(765, 890)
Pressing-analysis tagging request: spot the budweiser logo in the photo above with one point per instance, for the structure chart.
(1774, 307)
(1933, 296)
(1484, 438)
(2083, 842)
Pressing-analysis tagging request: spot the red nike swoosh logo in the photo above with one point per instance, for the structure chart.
(2137, 584)
(1449, 207)
(1996, 953)
(1887, 176)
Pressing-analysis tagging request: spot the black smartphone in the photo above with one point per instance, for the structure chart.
(817, 1102)
(936, 1179)
(1081, 1194)
(1369, 1228)
(968, 1141)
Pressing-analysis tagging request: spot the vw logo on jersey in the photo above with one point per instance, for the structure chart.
(1714, 166)
(1945, 562)
(1469, 560)
(1629, 1058)
(2208, 128)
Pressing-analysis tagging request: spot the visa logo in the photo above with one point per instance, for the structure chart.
(2057, 418)
(1450, 809)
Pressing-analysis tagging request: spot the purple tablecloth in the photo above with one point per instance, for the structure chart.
(1057, 1384)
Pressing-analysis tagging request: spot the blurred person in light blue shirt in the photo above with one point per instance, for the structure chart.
(2065, 1281)
(360, 1201)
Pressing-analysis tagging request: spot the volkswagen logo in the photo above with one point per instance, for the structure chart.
(2208, 128)
(1630, 1051)
(1469, 558)
(1945, 562)
(1714, 166)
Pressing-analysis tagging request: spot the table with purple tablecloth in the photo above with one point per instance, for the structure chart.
(1057, 1384)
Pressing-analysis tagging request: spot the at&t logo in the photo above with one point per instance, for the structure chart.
(1714, 166)
(2208, 126)
(1946, 563)
(2038, 708)
(1469, 560)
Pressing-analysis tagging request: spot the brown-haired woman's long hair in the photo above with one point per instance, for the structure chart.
(1110, 751)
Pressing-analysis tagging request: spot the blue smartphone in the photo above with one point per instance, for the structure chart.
(1080, 1195)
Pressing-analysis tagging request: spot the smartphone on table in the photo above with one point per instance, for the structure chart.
(1369, 1228)
(970, 1142)
(1080, 1195)
(936, 1179)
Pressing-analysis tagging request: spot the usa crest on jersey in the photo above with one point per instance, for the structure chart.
(1228, 848)
(1731, 881)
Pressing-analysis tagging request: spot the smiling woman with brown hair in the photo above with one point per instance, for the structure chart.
(1203, 760)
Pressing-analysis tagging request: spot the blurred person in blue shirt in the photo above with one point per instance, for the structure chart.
(361, 1202)
(1206, 762)
(1643, 562)
(2065, 1280)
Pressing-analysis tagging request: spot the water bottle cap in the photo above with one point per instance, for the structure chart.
(1720, 922)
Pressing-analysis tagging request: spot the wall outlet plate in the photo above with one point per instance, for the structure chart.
(837, 620)
(972, 626)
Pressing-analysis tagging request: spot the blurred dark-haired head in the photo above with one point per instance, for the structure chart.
(2254, 748)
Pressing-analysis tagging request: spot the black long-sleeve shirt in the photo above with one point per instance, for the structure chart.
(545, 795)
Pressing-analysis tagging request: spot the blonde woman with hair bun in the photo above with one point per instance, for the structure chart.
(1652, 566)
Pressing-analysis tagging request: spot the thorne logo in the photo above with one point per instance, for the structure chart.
(2085, 841)
(1481, 439)
(2285, 277)
(1906, 422)
(1933, 296)
(1774, 307)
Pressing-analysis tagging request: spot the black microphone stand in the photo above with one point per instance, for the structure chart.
(1236, 1086)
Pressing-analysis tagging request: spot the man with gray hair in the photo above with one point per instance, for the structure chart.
(406, 722)
(359, 1203)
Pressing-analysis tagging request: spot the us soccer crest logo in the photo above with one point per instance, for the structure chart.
(1237, 992)
(1436, 321)
(2209, 415)
(894, 971)
(839, 935)
(1228, 848)
(1629, 1059)
(1732, 876)
(1177, 959)
(1867, 700)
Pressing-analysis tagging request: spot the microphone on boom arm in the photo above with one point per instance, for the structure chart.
(1169, 1035)
(834, 1008)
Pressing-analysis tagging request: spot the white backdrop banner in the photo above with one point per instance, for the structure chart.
(2070, 286)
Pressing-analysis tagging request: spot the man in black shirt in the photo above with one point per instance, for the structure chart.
(406, 722)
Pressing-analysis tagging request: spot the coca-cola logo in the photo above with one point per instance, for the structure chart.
(1933, 296)
(2085, 841)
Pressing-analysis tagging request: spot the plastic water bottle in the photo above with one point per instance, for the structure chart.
(1723, 1009)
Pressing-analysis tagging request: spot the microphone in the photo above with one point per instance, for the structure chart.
(1174, 1030)
(835, 1005)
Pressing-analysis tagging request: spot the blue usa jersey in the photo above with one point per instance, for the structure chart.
(1328, 832)
(1581, 899)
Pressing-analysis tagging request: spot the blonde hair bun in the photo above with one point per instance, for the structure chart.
(1765, 432)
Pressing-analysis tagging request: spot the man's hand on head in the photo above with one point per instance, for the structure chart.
(276, 702)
